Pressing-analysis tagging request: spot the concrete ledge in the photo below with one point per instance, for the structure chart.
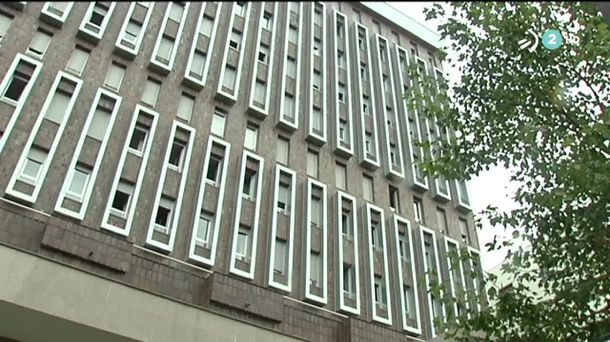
(69, 295)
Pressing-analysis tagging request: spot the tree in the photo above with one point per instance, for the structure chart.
(544, 115)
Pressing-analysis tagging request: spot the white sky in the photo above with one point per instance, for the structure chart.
(490, 188)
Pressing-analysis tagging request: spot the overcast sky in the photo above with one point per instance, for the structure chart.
(490, 188)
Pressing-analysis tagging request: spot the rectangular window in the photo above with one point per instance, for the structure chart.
(279, 264)
(114, 77)
(250, 180)
(175, 12)
(251, 137)
(132, 32)
(214, 170)
(19, 80)
(176, 155)
(235, 40)
(341, 92)
(203, 230)
(289, 106)
(317, 79)
(394, 198)
(163, 219)
(343, 132)
(267, 22)
(363, 73)
(151, 92)
(218, 124)
(349, 281)
(380, 295)
(366, 105)
(58, 106)
(39, 44)
(315, 272)
(259, 92)
(32, 167)
(228, 80)
(282, 152)
(185, 107)
(164, 52)
(79, 182)
(403, 244)
(121, 199)
(376, 234)
(340, 59)
(138, 139)
(291, 67)
(99, 124)
(312, 163)
(369, 144)
(240, 8)
(97, 19)
(340, 176)
(317, 46)
(5, 24)
(293, 35)
(346, 225)
(367, 188)
(418, 210)
(409, 302)
(77, 60)
(243, 243)
(283, 198)
(263, 53)
(442, 220)
(464, 230)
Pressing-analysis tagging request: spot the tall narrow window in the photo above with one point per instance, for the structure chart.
(77, 60)
(79, 183)
(19, 80)
(312, 163)
(442, 220)
(280, 262)
(138, 139)
(203, 230)
(151, 92)
(251, 137)
(394, 198)
(214, 169)
(418, 210)
(235, 40)
(242, 249)
(114, 77)
(283, 198)
(164, 214)
(121, 199)
(250, 180)
(340, 176)
(380, 295)
(464, 230)
(349, 286)
(283, 146)
(367, 188)
(176, 155)
(218, 124)
(5, 24)
(185, 107)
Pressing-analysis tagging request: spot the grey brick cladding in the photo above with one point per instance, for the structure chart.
(218, 275)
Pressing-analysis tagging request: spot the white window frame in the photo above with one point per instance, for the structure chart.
(226, 149)
(46, 10)
(370, 208)
(144, 26)
(254, 229)
(102, 28)
(279, 170)
(34, 131)
(176, 40)
(80, 214)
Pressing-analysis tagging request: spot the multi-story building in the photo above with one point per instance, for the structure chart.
(221, 171)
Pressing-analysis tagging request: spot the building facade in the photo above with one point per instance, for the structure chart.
(222, 171)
